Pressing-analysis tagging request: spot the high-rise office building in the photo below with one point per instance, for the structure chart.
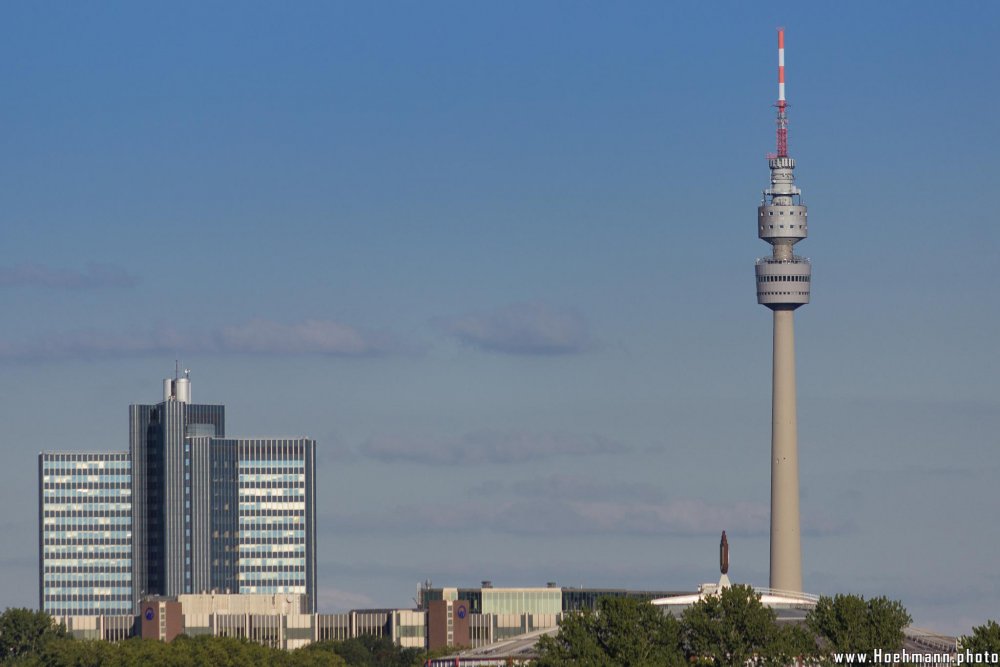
(197, 511)
(161, 471)
(85, 533)
(253, 518)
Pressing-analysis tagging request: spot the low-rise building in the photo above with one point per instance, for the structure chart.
(459, 617)
(278, 620)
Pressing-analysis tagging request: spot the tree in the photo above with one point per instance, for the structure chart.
(78, 653)
(369, 651)
(303, 657)
(623, 631)
(850, 624)
(794, 643)
(146, 652)
(184, 651)
(25, 632)
(575, 644)
(734, 627)
(984, 639)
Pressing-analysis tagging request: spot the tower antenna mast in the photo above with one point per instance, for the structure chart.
(782, 134)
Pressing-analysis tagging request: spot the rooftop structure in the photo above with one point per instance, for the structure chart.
(551, 599)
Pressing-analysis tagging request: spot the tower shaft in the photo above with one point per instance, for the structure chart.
(786, 543)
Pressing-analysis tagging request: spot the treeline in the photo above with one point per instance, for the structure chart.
(30, 639)
(734, 628)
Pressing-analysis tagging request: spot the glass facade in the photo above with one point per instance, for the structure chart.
(252, 521)
(275, 516)
(85, 533)
(521, 601)
(575, 599)
(548, 600)
(215, 521)
(161, 515)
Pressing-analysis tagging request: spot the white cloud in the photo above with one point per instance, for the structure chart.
(679, 517)
(91, 344)
(580, 487)
(569, 505)
(487, 447)
(522, 329)
(310, 336)
(335, 600)
(94, 276)
(262, 337)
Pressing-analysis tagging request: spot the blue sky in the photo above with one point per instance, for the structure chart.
(497, 259)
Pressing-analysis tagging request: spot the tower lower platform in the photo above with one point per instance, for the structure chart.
(783, 283)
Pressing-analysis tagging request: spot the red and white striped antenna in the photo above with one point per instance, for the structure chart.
(782, 139)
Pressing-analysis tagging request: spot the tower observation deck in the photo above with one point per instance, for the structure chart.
(783, 284)
(782, 220)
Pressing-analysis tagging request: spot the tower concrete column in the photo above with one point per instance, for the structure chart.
(786, 543)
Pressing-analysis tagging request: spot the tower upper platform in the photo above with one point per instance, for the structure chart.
(783, 280)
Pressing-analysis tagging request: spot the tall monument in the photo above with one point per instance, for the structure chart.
(783, 281)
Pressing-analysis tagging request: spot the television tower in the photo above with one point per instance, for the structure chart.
(783, 281)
